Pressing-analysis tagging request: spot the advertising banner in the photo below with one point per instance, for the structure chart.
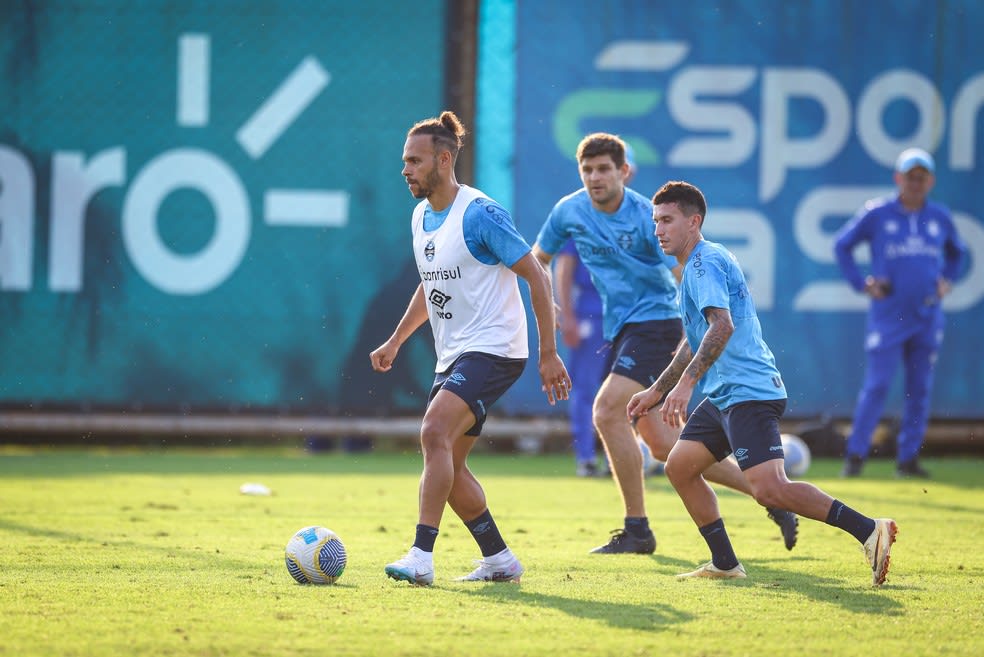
(201, 203)
(789, 116)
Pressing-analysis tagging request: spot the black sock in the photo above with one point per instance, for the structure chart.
(426, 535)
(638, 527)
(485, 532)
(722, 554)
(846, 518)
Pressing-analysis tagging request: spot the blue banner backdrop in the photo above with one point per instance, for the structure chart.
(201, 203)
(789, 115)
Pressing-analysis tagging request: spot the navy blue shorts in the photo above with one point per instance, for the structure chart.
(642, 350)
(750, 430)
(479, 379)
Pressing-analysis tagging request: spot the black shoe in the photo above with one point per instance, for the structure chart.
(911, 468)
(788, 523)
(852, 466)
(622, 542)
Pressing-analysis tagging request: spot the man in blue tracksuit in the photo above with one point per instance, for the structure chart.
(915, 254)
(582, 332)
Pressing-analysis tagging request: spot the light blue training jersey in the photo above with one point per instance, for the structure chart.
(627, 265)
(746, 369)
(489, 232)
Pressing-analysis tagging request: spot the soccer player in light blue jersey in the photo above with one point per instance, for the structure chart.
(745, 398)
(469, 255)
(915, 254)
(611, 227)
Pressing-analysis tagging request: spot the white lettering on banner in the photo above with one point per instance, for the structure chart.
(884, 90)
(749, 235)
(697, 100)
(186, 274)
(781, 152)
(16, 221)
(819, 205)
(817, 244)
(194, 67)
(75, 182)
(966, 108)
(686, 107)
(838, 296)
(704, 99)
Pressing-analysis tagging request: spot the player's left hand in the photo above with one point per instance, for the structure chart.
(674, 409)
(556, 381)
(640, 403)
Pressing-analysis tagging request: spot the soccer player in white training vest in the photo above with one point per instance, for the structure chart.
(468, 253)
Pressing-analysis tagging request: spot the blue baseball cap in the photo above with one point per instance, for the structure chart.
(911, 158)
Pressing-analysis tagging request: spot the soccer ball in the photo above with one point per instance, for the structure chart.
(315, 555)
(797, 455)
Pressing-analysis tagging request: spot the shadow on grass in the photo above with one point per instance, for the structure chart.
(206, 556)
(645, 616)
(785, 583)
(800, 587)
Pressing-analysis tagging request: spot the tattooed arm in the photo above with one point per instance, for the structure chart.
(685, 371)
(719, 330)
(641, 402)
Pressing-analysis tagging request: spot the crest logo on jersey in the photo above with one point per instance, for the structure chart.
(891, 227)
(429, 250)
(933, 228)
(625, 240)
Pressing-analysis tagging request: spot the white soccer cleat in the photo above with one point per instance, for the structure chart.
(412, 568)
(490, 570)
(710, 570)
(878, 547)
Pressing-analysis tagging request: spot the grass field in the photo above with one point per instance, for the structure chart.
(110, 553)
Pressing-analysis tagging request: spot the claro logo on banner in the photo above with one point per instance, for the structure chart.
(76, 180)
(704, 99)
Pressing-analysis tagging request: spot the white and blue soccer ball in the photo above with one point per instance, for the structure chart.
(315, 555)
(797, 455)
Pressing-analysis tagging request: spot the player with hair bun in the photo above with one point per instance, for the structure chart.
(469, 254)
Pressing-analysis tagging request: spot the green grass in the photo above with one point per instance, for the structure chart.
(156, 553)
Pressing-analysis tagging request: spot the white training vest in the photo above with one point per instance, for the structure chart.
(472, 306)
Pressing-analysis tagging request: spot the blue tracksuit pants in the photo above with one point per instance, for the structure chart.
(917, 353)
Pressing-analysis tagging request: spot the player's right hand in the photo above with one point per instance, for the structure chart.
(640, 403)
(383, 356)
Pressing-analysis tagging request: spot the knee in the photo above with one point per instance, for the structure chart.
(769, 493)
(434, 437)
(605, 415)
(677, 471)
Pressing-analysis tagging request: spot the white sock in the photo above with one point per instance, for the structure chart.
(427, 557)
(500, 558)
